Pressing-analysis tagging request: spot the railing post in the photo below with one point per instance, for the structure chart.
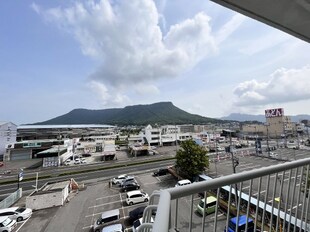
(162, 216)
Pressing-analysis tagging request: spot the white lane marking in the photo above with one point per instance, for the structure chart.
(219, 215)
(22, 224)
(120, 196)
(130, 206)
(294, 207)
(246, 187)
(106, 197)
(254, 194)
(111, 202)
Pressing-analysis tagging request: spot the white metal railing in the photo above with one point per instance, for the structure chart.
(280, 201)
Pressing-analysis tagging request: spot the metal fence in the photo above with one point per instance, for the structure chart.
(273, 198)
(10, 200)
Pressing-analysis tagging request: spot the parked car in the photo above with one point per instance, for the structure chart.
(137, 196)
(86, 155)
(119, 179)
(113, 228)
(183, 182)
(127, 180)
(274, 155)
(136, 214)
(83, 161)
(160, 172)
(16, 213)
(106, 218)
(77, 161)
(7, 224)
(67, 162)
(129, 186)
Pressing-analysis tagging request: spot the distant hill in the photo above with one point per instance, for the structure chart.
(260, 117)
(157, 113)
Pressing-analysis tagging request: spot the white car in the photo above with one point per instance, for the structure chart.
(274, 155)
(77, 161)
(67, 162)
(119, 179)
(83, 161)
(16, 213)
(136, 196)
(183, 182)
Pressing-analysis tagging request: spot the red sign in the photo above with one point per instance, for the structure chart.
(271, 113)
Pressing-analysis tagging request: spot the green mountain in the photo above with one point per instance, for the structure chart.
(159, 113)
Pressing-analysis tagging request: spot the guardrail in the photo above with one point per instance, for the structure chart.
(11, 199)
(276, 199)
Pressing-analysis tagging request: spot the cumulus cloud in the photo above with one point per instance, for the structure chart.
(105, 97)
(127, 41)
(285, 85)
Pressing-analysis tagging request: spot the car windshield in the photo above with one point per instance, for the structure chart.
(136, 224)
(20, 210)
(201, 204)
(6, 222)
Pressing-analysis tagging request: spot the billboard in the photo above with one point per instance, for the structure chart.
(271, 113)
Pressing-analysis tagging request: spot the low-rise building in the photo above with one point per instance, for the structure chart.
(50, 195)
(8, 133)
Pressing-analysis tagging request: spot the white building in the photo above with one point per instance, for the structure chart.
(152, 135)
(8, 133)
(49, 195)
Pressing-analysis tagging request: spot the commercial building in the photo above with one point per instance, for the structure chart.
(34, 132)
(8, 133)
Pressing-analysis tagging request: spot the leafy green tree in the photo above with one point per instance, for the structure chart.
(191, 159)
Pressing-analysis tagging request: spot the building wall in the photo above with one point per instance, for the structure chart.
(8, 133)
(43, 201)
(48, 199)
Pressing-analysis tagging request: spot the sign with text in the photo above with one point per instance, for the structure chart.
(271, 113)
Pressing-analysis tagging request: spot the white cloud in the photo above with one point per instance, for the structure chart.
(108, 98)
(144, 89)
(285, 85)
(126, 39)
(262, 43)
(231, 26)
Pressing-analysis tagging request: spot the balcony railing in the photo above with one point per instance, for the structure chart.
(273, 198)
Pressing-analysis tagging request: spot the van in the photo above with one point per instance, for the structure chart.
(183, 182)
(241, 224)
(209, 207)
(105, 219)
(7, 224)
(134, 197)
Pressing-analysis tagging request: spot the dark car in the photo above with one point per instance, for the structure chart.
(86, 155)
(160, 172)
(136, 214)
(129, 186)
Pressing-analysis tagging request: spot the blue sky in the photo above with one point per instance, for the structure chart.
(56, 56)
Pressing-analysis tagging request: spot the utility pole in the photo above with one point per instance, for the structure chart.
(235, 163)
(268, 149)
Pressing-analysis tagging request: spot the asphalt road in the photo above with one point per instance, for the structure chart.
(85, 177)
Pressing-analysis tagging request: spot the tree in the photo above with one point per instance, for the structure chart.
(191, 159)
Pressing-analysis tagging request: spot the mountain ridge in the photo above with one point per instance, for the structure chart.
(156, 113)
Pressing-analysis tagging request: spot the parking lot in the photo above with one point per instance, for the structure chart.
(86, 206)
